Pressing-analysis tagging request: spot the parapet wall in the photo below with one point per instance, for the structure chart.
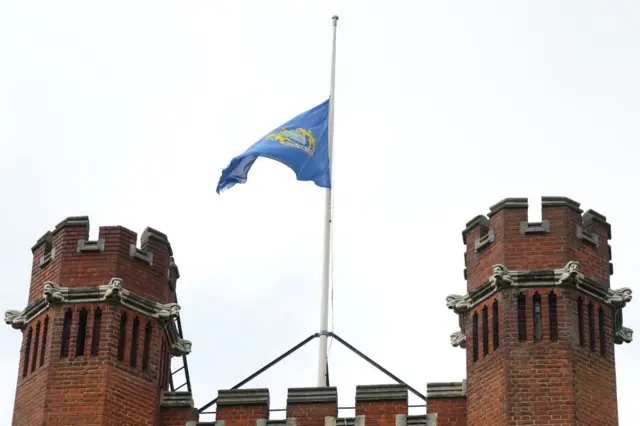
(506, 237)
(66, 256)
(374, 405)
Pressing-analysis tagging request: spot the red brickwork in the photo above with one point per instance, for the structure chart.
(381, 404)
(242, 415)
(537, 251)
(71, 268)
(87, 384)
(450, 411)
(553, 381)
(310, 406)
(178, 416)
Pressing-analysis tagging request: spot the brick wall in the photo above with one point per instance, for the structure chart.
(377, 405)
(536, 250)
(449, 402)
(310, 406)
(65, 256)
(541, 372)
(90, 373)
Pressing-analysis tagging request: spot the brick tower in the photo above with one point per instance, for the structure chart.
(539, 321)
(99, 331)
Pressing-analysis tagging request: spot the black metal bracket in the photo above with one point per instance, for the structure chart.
(301, 344)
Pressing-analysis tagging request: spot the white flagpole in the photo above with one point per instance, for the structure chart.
(326, 264)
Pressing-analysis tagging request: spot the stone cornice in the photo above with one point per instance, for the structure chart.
(567, 277)
(447, 390)
(312, 395)
(113, 293)
(176, 399)
(381, 392)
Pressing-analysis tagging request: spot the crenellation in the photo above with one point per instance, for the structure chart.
(152, 236)
(394, 392)
(479, 222)
(446, 390)
(312, 395)
(539, 324)
(563, 234)
(509, 204)
(46, 240)
(539, 310)
(552, 201)
(534, 227)
(66, 256)
(96, 318)
(140, 254)
(90, 246)
(241, 397)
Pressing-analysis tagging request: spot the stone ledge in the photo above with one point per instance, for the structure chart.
(232, 397)
(396, 392)
(312, 395)
(561, 202)
(509, 203)
(112, 293)
(176, 399)
(73, 221)
(567, 277)
(534, 227)
(447, 390)
(150, 233)
(480, 221)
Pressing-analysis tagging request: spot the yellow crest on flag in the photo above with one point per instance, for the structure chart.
(299, 138)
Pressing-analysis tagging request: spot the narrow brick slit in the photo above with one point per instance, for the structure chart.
(485, 331)
(27, 353)
(553, 317)
(43, 347)
(522, 318)
(496, 326)
(66, 334)
(475, 336)
(601, 332)
(581, 320)
(123, 336)
(36, 341)
(82, 333)
(537, 318)
(135, 331)
(146, 347)
(95, 334)
(592, 328)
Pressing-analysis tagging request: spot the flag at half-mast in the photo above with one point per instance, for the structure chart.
(302, 144)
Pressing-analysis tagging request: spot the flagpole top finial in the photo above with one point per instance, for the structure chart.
(335, 18)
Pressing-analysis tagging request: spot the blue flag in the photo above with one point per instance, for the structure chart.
(302, 143)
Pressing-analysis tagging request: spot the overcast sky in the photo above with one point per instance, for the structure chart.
(128, 111)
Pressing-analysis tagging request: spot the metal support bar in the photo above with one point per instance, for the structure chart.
(184, 357)
(265, 368)
(178, 370)
(375, 364)
(301, 344)
(170, 376)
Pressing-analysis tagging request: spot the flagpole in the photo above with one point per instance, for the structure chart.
(326, 263)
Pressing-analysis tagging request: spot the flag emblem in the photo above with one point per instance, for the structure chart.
(302, 144)
(299, 138)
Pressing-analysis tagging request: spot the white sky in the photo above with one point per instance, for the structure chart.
(127, 112)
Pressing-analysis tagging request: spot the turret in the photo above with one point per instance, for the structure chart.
(539, 321)
(99, 330)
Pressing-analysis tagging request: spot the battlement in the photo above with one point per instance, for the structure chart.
(67, 256)
(506, 237)
(374, 405)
